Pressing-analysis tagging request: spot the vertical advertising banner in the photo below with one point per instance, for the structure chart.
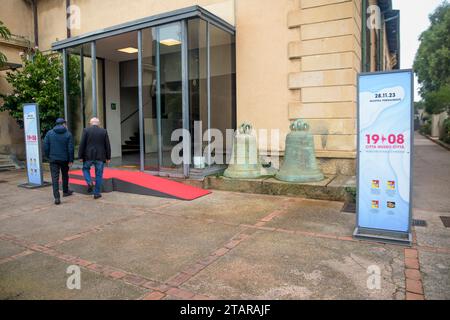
(32, 143)
(385, 141)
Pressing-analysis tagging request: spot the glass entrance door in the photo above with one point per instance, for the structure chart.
(171, 95)
(162, 78)
(80, 94)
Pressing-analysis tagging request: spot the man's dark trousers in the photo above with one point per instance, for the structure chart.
(55, 168)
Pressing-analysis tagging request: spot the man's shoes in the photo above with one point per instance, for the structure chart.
(57, 201)
(68, 193)
(90, 188)
(96, 196)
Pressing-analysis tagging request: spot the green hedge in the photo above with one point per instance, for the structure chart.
(446, 137)
(426, 128)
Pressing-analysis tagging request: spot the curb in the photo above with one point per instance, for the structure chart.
(437, 141)
(413, 277)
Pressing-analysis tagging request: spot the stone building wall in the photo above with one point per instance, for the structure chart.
(327, 55)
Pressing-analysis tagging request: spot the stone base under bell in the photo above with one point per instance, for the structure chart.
(312, 176)
(242, 174)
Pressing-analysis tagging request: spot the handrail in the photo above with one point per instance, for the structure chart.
(134, 112)
(128, 117)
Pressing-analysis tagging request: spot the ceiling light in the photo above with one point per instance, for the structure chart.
(170, 42)
(128, 50)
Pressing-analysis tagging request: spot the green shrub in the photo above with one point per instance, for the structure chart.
(446, 137)
(438, 101)
(426, 128)
(351, 194)
(39, 81)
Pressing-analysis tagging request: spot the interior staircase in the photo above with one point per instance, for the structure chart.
(132, 144)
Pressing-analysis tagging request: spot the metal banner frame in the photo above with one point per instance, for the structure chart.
(375, 234)
(29, 161)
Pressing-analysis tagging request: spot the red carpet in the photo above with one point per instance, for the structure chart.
(143, 183)
(107, 173)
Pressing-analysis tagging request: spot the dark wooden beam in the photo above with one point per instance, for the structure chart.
(67, 18)
(35, 22)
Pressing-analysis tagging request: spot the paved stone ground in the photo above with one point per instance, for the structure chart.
(431, 201)
(226, 245)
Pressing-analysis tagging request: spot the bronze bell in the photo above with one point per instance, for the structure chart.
(244, 163)
(300, 163)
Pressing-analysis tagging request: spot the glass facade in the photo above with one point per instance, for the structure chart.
(170, 91)
(212, 75)
(198, 88)
(151, 113)
(80, 93)
(183, 84)
(222, 88)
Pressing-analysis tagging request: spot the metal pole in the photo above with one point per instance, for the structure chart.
(94, 78)
(208, 87)
(82, 104)
(65, 86)
(185, 98)
(158, 98)
(141, 111)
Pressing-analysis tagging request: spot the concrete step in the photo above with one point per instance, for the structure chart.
(132, 143)
(130, 151)
(8, 163)
(6, 167)
(131, 146)
(331, 188)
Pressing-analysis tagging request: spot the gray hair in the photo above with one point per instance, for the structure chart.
(94, 121)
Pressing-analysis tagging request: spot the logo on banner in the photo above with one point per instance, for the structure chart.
(375, 204)
(391, 204)
(390, 188)
(375, 184)
(391, 185)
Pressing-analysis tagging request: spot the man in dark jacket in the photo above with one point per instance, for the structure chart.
(94, 150)
(58, 149)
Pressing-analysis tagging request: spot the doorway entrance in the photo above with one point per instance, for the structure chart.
(158, 84)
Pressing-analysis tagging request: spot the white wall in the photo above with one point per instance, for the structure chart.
(112, 88)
